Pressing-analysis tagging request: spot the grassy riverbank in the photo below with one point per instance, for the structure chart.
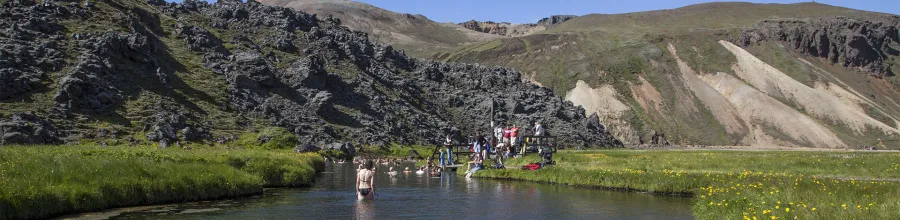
(738, 184)
(46, 181)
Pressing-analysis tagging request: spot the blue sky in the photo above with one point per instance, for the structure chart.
(529, 11)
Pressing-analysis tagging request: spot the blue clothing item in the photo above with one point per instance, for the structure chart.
(447, 157)
(450, 156)
(477, 167)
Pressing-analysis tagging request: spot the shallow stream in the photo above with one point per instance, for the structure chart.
(411, 196)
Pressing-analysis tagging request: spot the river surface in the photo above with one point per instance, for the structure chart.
(411, 196)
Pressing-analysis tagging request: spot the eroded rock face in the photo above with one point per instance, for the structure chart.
(515, 30)
(555, 19)
(489, 27)
(306, 148)
(199, 39)
(28, 50)
(27, 128)
(95, 85)
(847, 42)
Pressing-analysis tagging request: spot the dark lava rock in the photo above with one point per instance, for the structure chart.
(345, 147)
(27, 128)
(282, 67)
(199, 39)
(306, 148)
(28, 48)
(94, 85)
(851, 43)
(555, 19)
(163, 130)
(196, 134)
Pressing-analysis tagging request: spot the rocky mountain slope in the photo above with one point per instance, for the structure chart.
(119, 71)
(515, 30)
(807, 75)
(415, 34)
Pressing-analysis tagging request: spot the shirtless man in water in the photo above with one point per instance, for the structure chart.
(365, 179)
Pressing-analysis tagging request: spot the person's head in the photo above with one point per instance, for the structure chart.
(407, 168)
(370, 164)
(391, 169)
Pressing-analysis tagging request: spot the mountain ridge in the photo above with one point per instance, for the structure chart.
(415, 34)
(508, 29)
(623, 55)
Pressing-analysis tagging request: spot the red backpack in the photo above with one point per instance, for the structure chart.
(531, 166)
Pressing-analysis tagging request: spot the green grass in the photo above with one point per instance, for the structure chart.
(737, 184)
(47, 181)
(278, 138)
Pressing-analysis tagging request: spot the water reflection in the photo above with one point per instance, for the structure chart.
(365, 209)
(412, 196)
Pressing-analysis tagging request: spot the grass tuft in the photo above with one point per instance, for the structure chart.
(47, 181)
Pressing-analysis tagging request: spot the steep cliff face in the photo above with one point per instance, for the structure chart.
(515, 30)
(860, 44)
(489, 27)
(199, 72)
(555, 19)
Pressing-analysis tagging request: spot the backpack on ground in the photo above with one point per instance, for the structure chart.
(531, 166)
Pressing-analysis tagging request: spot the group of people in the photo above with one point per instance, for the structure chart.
(365, 176)
(503, 142)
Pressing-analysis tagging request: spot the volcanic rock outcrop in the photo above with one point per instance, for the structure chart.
(277, 67)
(515, 30)
(844, 41)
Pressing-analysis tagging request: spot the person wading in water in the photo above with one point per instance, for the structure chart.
(365, 182)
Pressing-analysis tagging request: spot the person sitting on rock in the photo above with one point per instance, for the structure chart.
(474, 166)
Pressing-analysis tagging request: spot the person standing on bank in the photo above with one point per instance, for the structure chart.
(506, 135)
(365, 182)
(448, 144)
(514, 135)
